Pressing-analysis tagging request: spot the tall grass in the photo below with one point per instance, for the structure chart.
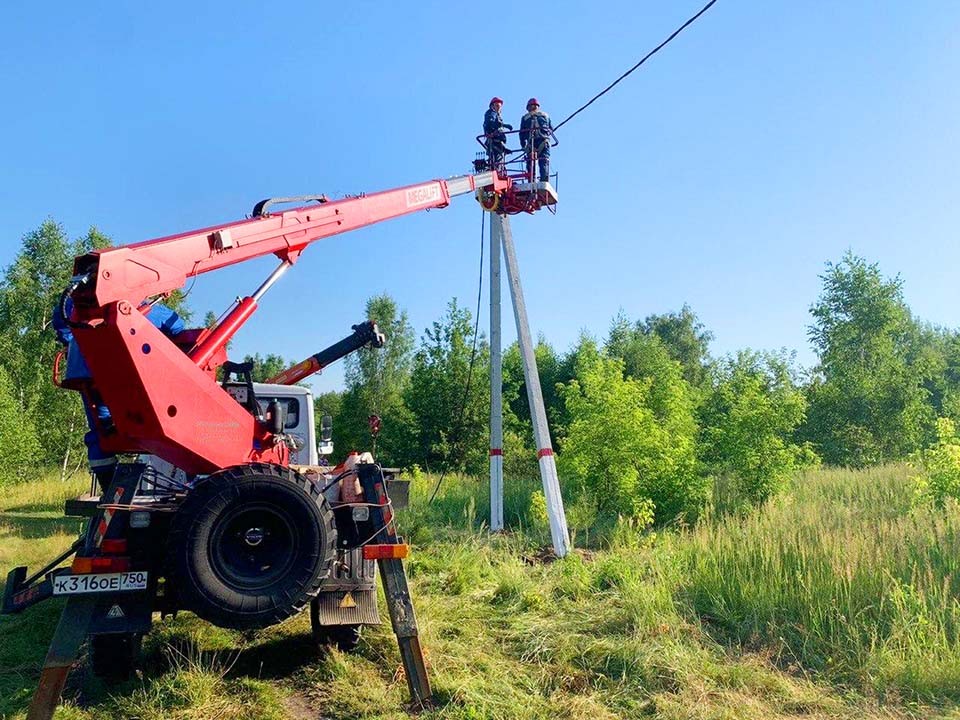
(843, 575)
(839, 581)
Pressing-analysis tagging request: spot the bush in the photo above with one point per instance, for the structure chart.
(748, 420)
(631, 440)
(940, 478)
(19, 446)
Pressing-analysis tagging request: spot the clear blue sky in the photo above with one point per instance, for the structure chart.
(766, 140)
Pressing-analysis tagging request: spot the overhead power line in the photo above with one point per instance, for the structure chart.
(642, 61)
(476, 328)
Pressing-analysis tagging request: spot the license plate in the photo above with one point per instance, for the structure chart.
(99, 582)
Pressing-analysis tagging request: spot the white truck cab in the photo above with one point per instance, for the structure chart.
(297, 403)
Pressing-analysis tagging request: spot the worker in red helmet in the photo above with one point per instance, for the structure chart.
(493, 129)
(536, 130)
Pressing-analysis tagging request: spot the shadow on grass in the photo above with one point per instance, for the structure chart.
(271, 659)
(24, 641)
(34, 527)
(275, 659)
(35, 507)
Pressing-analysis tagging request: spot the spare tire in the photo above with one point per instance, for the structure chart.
(250, 546)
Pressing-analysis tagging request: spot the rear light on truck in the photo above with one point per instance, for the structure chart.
(114, 547)
(85, 565)
(386, 552)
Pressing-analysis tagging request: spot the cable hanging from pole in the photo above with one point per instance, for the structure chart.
(473, 358)
(646, 57)
(473, 353)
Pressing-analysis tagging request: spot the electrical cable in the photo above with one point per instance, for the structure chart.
(646, 57)
(338, 478)
(473, 357)
(380, 530)
(583, 107)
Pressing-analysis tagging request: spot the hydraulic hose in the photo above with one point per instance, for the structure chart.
(76, 282)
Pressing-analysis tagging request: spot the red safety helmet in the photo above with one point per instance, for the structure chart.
(495, 100)
(533, 101)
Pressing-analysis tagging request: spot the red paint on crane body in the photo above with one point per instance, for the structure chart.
(165, 401)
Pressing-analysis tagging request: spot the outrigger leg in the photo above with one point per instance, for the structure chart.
(388, 549)
(83, 610)
(404, 623)
(63, 653)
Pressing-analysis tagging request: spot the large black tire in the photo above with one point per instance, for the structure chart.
(250, 546)
(114, 657)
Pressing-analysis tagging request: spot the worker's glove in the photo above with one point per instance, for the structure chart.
(508, 127)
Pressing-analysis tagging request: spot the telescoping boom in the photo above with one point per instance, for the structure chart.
(162, 394)
(366, 333)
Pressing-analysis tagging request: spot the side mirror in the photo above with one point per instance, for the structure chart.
(325, 447)
(276, 416)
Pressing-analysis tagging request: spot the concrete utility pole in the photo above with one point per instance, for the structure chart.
(496, 383)
(500, 233)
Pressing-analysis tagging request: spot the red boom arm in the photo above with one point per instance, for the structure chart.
(154, 267)
(167, 402)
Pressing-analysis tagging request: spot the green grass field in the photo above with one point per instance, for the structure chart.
(838, 600)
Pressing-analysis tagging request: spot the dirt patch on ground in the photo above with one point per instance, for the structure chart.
(546, 555)
(299, 707)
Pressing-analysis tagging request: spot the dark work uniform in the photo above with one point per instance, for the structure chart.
(496, 143)
(535, 133)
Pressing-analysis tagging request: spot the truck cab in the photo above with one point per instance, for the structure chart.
(297, 404)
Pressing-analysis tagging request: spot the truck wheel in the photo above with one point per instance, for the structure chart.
(114, 657)
(250, 546)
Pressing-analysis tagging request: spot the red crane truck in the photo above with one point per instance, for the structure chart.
(235, 534)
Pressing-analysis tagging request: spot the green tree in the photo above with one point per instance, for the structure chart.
(266, 367)
(328, 403)
(376, 379)
(867, 399)
(30, 287)
(449, 423)
(645, 355)
(519, 451)
(632, 440)
(936, 357)
(748, 423)
(939, 478)
(554, 371)
(19, 443)
(686, 339)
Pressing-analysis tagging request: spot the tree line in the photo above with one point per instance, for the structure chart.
(644, 419)
(647, 418)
